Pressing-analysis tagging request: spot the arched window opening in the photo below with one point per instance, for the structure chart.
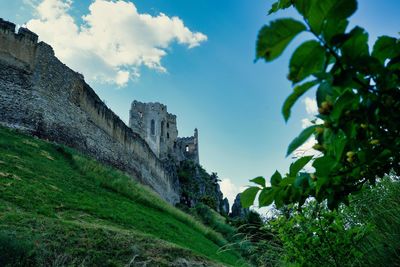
(187, 148)
(162, 128)
(167, 124)
(152, 127)
(168, 135)
(140, 114)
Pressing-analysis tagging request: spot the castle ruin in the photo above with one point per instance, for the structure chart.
(159, 129)
(42, 96)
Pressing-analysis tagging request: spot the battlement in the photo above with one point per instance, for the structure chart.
(149, 106)
(19, 48)
(6, 26)
(171, 117)
(188, 138)
(23, 34)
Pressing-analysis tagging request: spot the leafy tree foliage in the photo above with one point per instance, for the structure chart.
(316, 236)
(358, 96)
(363, 234)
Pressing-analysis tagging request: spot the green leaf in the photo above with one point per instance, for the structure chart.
(248, 196)
(276, 178)
(340, 9)
(275, 37)
(356, 46)
(324, 91)
(266, 197)
(345, 101)
(394, 64)
(386, 47)
(324, 165)
(281, 4)
(299, 140)
(287, 181)
(317, 12)
(307, 59)
(279, 197)
(334, 28)
(302, 180)
(298, 91)
(299, 164)
(259, 180)
(322, 181)
(304, 6)
(340, 141)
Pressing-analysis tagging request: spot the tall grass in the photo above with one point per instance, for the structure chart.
(214, 220)
(378, 208)
(123, 184)
(372, 221)
(76, 210)
(15, 252)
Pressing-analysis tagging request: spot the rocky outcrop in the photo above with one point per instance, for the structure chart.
(197, 186)
(237, 210)
(225, 206)
(42, 96)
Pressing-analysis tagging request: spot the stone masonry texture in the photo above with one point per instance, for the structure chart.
(42, 96)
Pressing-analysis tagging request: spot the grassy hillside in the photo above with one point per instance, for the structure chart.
(58, 207)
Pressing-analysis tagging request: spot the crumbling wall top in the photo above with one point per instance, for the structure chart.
(7, 26)
(26, 34)
(23, 33)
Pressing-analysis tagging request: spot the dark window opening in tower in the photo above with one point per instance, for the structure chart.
(153, 127)
(168, 135)
(141, 114)
(187, 148)
(167, 124)
(162, 128)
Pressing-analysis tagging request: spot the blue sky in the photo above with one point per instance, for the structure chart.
(215, 86)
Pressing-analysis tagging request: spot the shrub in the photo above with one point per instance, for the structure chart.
(212, 219)
(14, 251)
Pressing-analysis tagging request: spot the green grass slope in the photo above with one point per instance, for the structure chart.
(59, 208)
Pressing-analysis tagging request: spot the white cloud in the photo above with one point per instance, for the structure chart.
(122, 77)
(306, 123)
(311, 106)
(312, 110)
(307, 148)
(30, 3)
(113, 41)
(230, 190)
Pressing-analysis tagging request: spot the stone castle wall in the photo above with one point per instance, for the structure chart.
(41, 95)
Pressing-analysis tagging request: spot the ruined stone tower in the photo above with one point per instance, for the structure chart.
(159, 129)
(187, 148)
(155, 125)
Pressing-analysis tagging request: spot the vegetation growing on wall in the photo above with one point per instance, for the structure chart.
(197, 186)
